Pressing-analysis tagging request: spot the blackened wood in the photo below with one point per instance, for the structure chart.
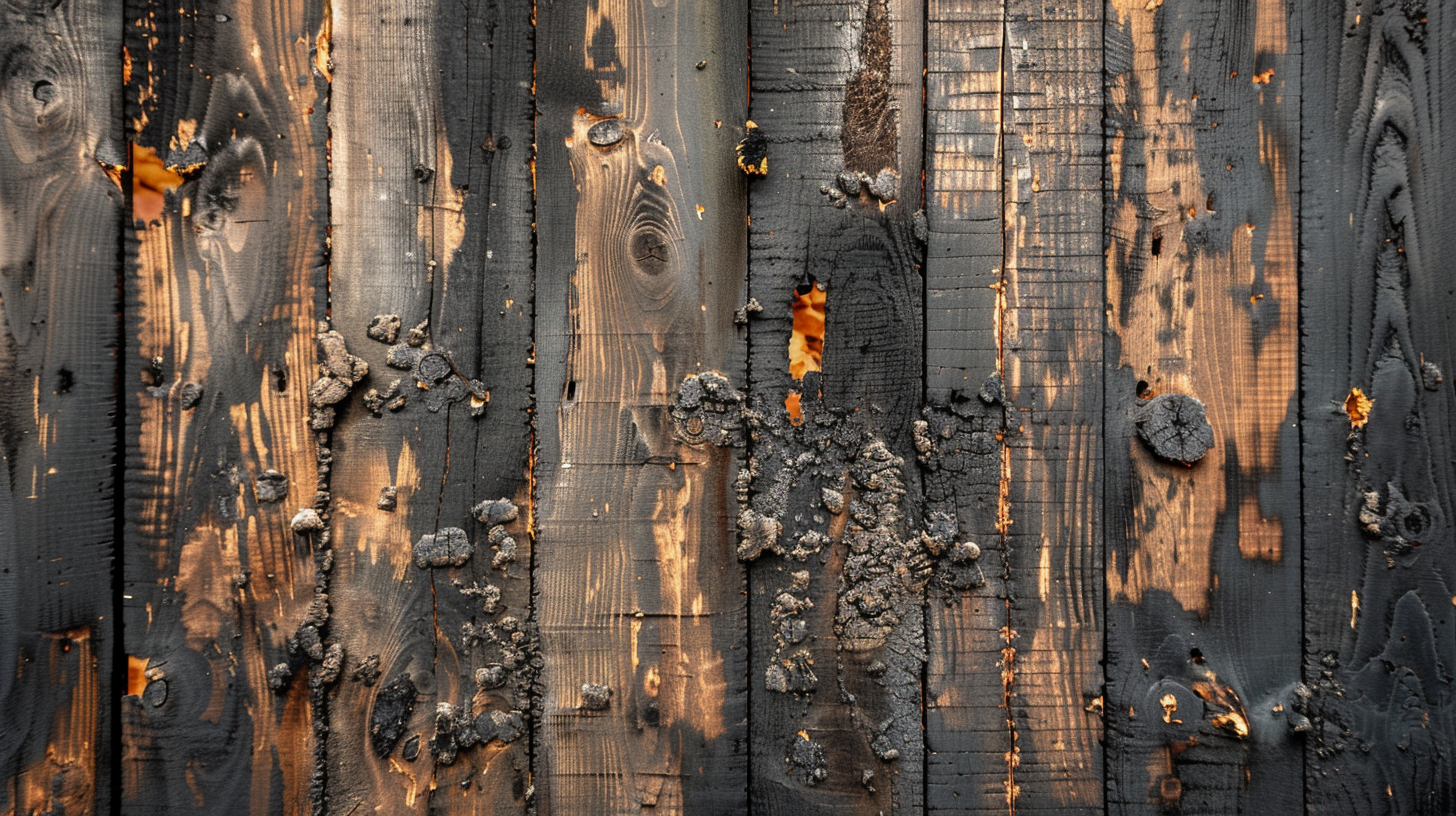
(230, 217)
(641, 230)
(1203, 558)
(59, 262)
(1377, 308)
(1051, 336)
(431, 285)
(967, 734)
(837, 89)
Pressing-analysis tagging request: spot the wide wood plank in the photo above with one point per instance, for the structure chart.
(60, 216)
(642, 235)
(1203, 564)
(430, 508)
(1052, 348)
(1379, 312)
(839, 579)
(230, 213)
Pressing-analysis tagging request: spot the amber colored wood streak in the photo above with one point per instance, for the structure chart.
(641, 234)
(1203, 561)
(1377, 309)
(221, 294)
(1052, 347)
(966, 732)
(60, 213)
(430, 124)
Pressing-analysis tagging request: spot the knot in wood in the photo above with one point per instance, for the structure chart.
(605, 133)
(1175, 427)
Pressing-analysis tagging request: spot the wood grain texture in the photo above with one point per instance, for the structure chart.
(1380, 577)
(967, 736)
(642, 235)
(222, 297)
(1051, 335)
(837, 88)
(431, 286)
(60, 217)
(1203, 561)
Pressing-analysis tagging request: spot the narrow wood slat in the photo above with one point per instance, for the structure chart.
(641, 233)
(59, 261)
(836, 722)
(1203, 565)
(1377, 307)
(431, 133)
(967, 735)
(1051, 341)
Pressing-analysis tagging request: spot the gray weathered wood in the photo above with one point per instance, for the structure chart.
(1377, 308)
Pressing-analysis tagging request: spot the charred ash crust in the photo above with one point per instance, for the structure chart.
(859, 483)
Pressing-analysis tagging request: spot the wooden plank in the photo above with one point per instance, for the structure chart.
(836, 617)
(430, 117)
(230, 213)
(60, 218)
(1203, 559)
(642, 236)
(967, 735)
(1051, 336)
(1377, 310)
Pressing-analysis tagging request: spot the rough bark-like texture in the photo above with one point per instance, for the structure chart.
(837, 88)
(641, 233)
(60, 139)
(1051, 341)
(1380, 575)
(1203, 564)
(431, 285)
(229, 213)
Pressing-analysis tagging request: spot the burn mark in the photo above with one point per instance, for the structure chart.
(270, 486)
(595, 696)
(392, 708)
(191, 395)
(753, 151)
(384, 328)
(1175, 427)
(870, 132)
(708, 410)
(447, 547)
(804, 760)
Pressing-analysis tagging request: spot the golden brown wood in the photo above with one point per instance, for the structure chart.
(642, 267)
(1203, 559)
(229, 212)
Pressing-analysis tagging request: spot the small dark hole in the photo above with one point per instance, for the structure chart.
(1143, 389)
(64, 381)
(1157, 245)
(44, 91)
(570, 390)
(280, 379)
(1196, 655)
